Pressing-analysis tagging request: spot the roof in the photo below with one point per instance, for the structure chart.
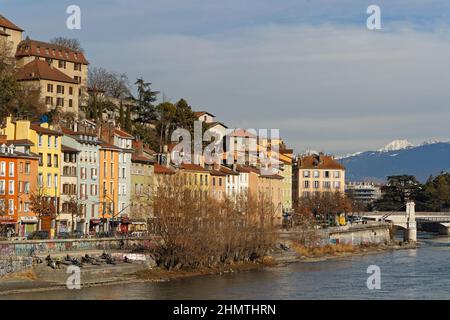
(65, 148)
(228, 171)
(21, 142)
(4, 34)
(8, 24)
(41, 70)
(43, 130)
(141, 159)
(217, 173)
(320, 161)
(242, 133)
(192, 167)
(216, 123)
(271, 176)
(159, 169)
(49, 50)
(247, 169)
(123, 134)
(201, 113)
(108, 146)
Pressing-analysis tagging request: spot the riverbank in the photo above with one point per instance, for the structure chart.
(43, 280)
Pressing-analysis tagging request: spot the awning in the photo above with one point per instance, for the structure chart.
(28, 220)
(138, 221)
(11, 222)
(95, 221)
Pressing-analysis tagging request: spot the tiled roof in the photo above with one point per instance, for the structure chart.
(319, 162)
(217, 173)
(41, 70)
(47, 50)
(137, 158)
(242, 133)
(43, 130)
(228, 171)
(162, 169)
(192, 167)
(201, 113)
(123, 134)
(65, 148)
(216, 123)
(8, 24)
(21, 142)
(106, 145)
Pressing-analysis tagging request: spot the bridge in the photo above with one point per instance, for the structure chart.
(410, 221)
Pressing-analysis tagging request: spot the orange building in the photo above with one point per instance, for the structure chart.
(109, 182)
(18, 179)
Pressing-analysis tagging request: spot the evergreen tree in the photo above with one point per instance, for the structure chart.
(145, 110)
(121, 116)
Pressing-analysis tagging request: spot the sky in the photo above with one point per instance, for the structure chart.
(309, 68)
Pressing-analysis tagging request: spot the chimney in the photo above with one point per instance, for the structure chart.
(3, 139)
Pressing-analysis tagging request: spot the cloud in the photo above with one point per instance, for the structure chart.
(309, 68)
(323, 86)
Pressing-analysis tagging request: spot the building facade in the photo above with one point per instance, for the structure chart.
(317, 173)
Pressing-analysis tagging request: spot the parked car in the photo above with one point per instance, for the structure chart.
(39, 235)
(355, 219)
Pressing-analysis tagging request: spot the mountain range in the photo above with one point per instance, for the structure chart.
(397, 158)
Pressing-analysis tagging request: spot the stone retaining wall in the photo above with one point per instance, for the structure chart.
(14, 264)
(39, 247)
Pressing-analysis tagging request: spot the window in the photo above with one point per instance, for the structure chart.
(49, 180)
(327, 174)
(77, 66)
(327, 184)
(2, 187)
(26, 187)
(40, 180)
(337, 174)
(11, 169)
(56, 142)
(27, 168)
(3, 168)
(60, 89)
(11, 206)
(26, 207)
(316, 184)
(49, 160)
(61, 64)
(41, 159)
(56, 162)
(59, 102)
(316, 174)
(49, 88)
(49, 141)
(213, 181)
(71, 91)
(337, 184)
(11, 187)
(306, 174)
(306, 184)
(49, 101)
(70, 103)
(83, 173)
(40, 140)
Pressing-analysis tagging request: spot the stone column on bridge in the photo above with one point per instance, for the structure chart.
(411, 228)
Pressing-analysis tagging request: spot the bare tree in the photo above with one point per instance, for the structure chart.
(42, 205)
(72, 44)
(197, 231)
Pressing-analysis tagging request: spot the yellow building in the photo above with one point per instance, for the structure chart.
(69, 62)
(57, 89)
(10, 32)
(46, 144)
(196, 178)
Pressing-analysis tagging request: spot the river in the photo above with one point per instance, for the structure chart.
(422, 273)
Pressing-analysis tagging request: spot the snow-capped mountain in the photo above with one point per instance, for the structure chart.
(396, 145)
(399, 157)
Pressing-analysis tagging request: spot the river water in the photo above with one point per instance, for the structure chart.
(422, 273)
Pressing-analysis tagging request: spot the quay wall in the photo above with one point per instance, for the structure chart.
(40, 247)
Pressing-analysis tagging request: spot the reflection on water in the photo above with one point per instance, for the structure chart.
(405, 274)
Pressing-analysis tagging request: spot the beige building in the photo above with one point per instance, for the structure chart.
(57, 89)
(71, 63)
(317, 173)
(10, 32)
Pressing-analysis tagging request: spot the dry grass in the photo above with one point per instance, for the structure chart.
(328, 250)
(24, 275)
